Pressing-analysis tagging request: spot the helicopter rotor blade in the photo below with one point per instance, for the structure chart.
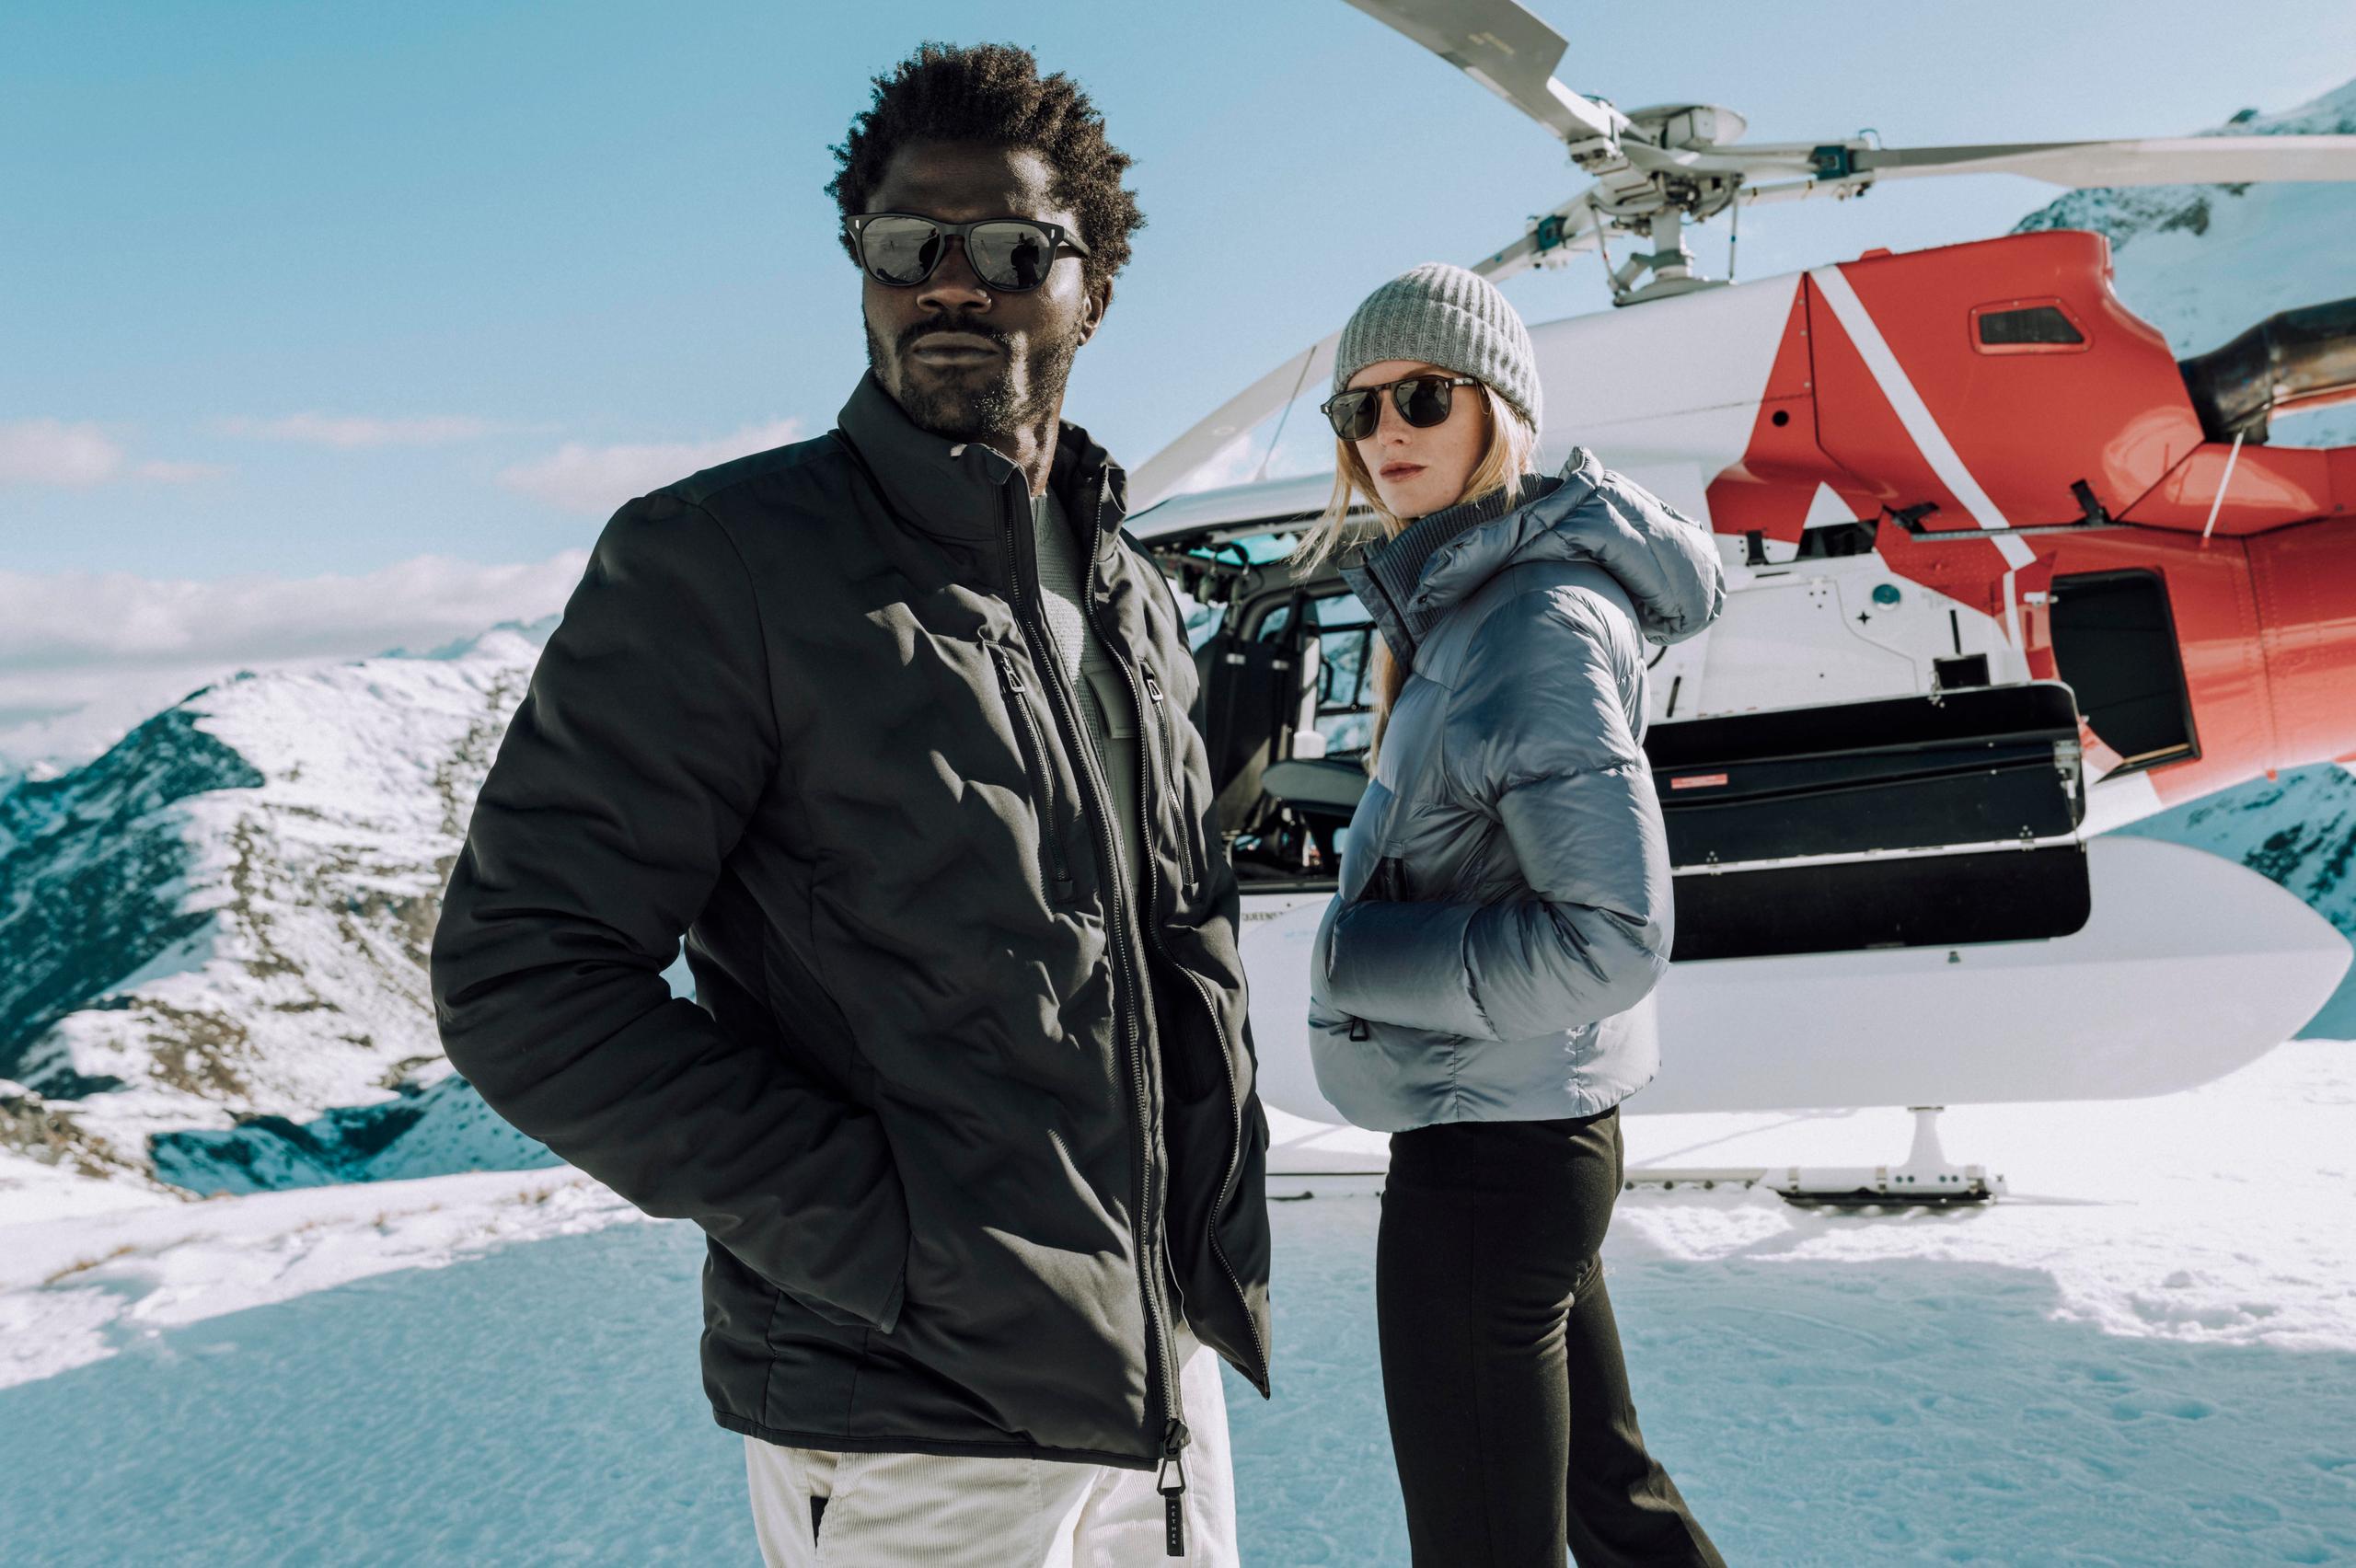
(2178, 160)
(1748, 162)
(1572, 227)
(1508, 50)
(2158, 160)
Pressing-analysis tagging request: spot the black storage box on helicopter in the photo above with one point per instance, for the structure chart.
(1980, 765)
(1867, 797)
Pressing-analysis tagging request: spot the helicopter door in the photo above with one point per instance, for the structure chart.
(2114, 642)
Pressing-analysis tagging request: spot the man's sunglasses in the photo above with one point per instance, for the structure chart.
(900, 249)
(1422, 400)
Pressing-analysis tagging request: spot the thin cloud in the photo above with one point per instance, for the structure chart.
(72, 619)
(349, 434)
(51, 452)
(182, 473)
(83, 656)
(82, 454)
(595, 479)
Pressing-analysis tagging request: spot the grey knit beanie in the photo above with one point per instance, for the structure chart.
(1445, 316)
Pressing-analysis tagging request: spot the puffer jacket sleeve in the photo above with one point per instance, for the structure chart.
(627, 776)
(1537, 736)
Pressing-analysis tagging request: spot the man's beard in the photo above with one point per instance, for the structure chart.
(990, 410)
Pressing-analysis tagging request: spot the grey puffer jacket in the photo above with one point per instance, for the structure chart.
(1504, 908)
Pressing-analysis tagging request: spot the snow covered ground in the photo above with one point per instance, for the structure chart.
(2147, 1354)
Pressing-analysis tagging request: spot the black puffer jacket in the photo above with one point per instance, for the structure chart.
(942, 1097)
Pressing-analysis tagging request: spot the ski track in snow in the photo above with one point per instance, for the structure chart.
(2146, 1355)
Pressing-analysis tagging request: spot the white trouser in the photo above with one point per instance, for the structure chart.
(892, 1510)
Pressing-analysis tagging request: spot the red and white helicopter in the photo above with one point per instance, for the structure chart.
(2003, 574)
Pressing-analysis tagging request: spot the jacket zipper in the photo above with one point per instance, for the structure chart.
(1192, 856)
(1171, 1482)
(1054, 876)
(1153, 934)
(1157, 1348)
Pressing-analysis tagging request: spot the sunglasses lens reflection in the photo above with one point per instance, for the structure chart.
(1354, 414)
(1423, 402)
(900, 251)
(1009, 255)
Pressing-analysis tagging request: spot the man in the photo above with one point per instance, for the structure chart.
(892, 725)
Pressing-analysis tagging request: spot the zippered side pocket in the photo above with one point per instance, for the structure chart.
(1054, 875)
(1197, 861)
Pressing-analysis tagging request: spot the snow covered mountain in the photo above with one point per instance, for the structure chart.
(213, 938)
(216, 932)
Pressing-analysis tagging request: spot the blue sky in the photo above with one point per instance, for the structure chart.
(295, 290)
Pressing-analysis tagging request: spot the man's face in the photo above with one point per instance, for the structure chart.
(965, 360)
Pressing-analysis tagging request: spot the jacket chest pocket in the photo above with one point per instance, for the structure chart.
(1015, 690)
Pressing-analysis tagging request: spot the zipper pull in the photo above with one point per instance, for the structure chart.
(1358, 1030)
(1173, 1494)
(1153, 688)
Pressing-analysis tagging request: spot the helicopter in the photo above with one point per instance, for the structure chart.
(2003, 574)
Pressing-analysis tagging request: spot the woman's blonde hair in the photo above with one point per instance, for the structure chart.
(1512, 451)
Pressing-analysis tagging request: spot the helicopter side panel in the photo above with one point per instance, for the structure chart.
(2026, 420)
(1667, 395)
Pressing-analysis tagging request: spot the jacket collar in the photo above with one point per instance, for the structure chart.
(959, 490)
(1667, 563)
(1393, 567)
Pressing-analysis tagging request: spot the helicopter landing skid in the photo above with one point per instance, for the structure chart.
(1925, 1180)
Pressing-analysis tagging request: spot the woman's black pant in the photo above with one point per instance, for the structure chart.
(1501, 1369)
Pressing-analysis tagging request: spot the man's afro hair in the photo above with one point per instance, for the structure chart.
(993, 94)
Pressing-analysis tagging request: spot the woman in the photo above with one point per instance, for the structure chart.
(1479, 986)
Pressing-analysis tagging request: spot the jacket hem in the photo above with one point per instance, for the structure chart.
(835, 1442)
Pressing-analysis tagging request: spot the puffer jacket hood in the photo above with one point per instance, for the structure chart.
(1668, 566)
(1506, 907)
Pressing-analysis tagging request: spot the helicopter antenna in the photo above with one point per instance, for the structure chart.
(1270, 455)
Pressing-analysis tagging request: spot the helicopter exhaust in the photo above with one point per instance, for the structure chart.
(2293, 360)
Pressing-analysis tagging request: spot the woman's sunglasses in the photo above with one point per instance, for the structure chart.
(900, 249)
(1422, 400)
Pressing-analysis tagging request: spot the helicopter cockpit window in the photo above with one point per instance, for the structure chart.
(1342, 643)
